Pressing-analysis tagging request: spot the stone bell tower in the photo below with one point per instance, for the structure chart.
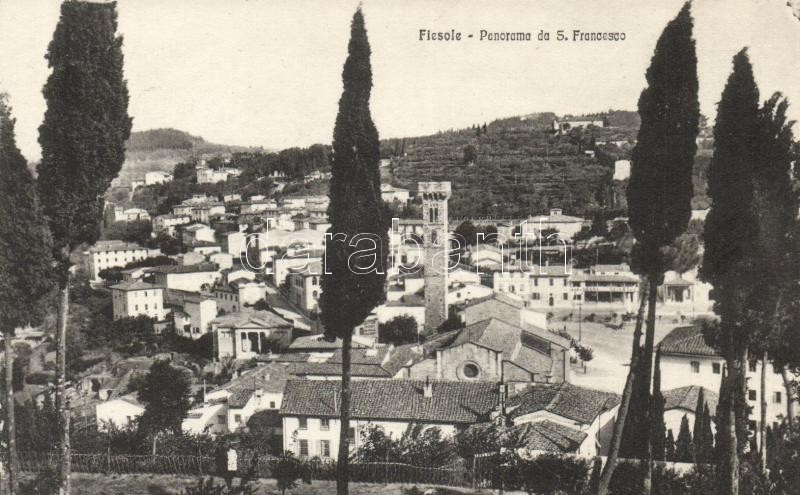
(435, 230)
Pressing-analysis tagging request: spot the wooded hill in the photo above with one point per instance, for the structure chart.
(517, 166)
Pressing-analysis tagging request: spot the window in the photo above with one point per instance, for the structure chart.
(471, 370)
(237, 418)
(551, 282)
(695, 366)
(566, 296)
(303, 448)
(352, 435)
(272, 404)
(136, 308)
(221, 419)
(776, 397)
(325, 448)
(776, 369)
(752, 395)
(324, 424)
(716, 368)
(752, 425)
(536, 296)
(303, 423)
(752, 366)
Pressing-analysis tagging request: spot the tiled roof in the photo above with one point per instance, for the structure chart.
(686, 341)
(686, 398)
(335, 369)
(319, 342)
(106, 246)
(566, 400)
(269, 378)
(451, 402)
(262, 319)
(200, 267)
(240, 397)
(136, 285)
(544, 435)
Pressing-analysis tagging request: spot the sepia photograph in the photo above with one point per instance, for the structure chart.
(399, 247)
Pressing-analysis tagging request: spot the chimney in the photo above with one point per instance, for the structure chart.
(428, 390)
(503, 389)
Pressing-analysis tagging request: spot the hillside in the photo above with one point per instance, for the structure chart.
(162, 149)
(519, 166)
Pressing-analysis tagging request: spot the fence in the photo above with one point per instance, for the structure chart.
(457, 474)
(480, 472)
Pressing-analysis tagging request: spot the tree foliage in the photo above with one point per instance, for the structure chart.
(402, 329)
(165, 393)
(660, 187)
(25, 242)
(86, 123)
(352, 287)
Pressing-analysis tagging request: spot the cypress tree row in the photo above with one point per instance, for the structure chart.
(25, 263)
(352, 285)
(659, 205)
(730, 261)
(83, 146)
(772, 310)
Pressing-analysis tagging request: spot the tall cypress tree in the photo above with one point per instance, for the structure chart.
(83, 146)
(352, 285)
(698, 432)
(669, 447)
(25, 262)
(730, 261)
(660, 191)
(683, 445)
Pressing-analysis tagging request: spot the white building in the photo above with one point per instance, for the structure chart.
(198, 233)
(195, 319)
(245, 335)
(566, 226)
(304, 286)
(622, 169)
(682, 401)
(588, 411)
(310, 410)
(120, 412)
(190, 278)
(390, 194)
(228, 408)
(131, 299)
(686, 360)
(157, 177)
(168, 222)
(207, 175)
(110, 254)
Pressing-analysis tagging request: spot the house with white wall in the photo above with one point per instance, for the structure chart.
(132, 299)
(190, 278)
(687, 360)
(157, 177)
(245, 335)
(682, 401)
(113, 254)
(584, 410)
(120, 412)
(310, 410)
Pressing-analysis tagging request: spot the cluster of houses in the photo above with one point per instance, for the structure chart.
(250, 280)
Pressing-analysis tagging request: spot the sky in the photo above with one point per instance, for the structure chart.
(268, 72)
